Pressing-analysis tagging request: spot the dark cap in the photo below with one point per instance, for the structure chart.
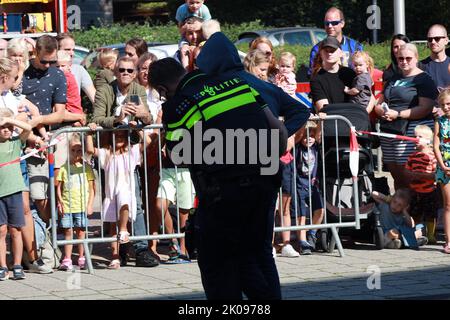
(330, 41)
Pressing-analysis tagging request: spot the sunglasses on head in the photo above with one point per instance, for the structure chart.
(333, 23)
(48, 61)
(437, 39)
(122, 70)
(407, 59)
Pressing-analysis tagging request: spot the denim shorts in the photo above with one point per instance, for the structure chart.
(26, 179)
(11, 210)
(287, 182)
(73, 220)
(303, 203)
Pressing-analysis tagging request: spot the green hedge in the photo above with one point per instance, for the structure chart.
(116, 33)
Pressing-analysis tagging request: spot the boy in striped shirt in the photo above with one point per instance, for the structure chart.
(422, 167)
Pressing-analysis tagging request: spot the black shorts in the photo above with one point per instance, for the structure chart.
(303, 203)
(11, 210)
(425, 206)
(287, 180)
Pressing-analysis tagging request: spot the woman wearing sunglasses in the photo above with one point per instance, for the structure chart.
(409, 96)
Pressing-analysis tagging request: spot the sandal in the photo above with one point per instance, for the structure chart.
(446, 249)
(114, 264)
(124, 237)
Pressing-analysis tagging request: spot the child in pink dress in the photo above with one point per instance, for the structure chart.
(119, 204)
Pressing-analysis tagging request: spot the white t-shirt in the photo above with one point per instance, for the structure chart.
(11, 102)
(120, 98)
(154, 104)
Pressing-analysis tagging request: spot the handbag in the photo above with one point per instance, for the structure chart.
(398, 126)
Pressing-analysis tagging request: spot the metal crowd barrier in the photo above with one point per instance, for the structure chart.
(342, 222)
(105, 239)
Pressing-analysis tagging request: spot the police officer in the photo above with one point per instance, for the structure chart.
(233, 182)
(219, 56)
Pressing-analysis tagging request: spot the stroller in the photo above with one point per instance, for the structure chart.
(338, 177)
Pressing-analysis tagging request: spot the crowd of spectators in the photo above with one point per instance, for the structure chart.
(41, 88)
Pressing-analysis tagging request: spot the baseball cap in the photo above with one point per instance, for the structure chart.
(330, 41)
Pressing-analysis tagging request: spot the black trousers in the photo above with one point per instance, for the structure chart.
(235, 241)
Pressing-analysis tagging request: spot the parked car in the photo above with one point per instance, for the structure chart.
(79, 54)
(303, 36)
(161, 50)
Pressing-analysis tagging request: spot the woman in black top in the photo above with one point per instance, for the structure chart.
(410, 97)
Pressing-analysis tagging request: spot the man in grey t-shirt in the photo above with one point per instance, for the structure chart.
(84, 81)
(437, 64)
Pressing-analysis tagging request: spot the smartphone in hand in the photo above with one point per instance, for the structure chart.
(134, 98)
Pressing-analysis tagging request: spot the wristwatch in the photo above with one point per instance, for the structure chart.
(399, 116)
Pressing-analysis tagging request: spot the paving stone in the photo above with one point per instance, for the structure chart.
(43, 298)
(122, 292)
(75, 292)
(91, 297)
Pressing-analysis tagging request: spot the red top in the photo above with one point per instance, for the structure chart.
(73, 94)
(422, 162)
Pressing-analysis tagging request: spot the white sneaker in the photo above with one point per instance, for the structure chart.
(274, 253)
(38, 266)
(288, 251)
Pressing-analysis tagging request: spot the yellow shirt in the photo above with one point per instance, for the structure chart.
(75, 192)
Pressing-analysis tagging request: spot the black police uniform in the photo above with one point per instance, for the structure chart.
(233, 198)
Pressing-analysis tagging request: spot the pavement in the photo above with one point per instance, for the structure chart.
(364, 273)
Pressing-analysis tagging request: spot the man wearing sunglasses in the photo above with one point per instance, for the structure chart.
(334, 22)
(45, 86)
(111, 98)
(437, 64)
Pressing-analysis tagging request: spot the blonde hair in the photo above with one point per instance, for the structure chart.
(63, 56)
(6, 113)
(288, 56)
(366, 57)
(18, 46)
(314, 130)
(410, 47)
(7, 65)
(210, 27)
(443, 95)
(75, 139)
(425, 130)
(254, 58)
(107, 57)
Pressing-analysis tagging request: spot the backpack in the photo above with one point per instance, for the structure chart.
(44, 246)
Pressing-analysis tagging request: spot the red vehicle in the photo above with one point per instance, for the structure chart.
(32, 18)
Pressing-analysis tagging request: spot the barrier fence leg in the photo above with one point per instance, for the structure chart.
(87, 254)
(338, 241)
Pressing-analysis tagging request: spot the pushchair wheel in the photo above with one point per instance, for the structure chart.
(323, 237)
(378, 236)
(327, 241)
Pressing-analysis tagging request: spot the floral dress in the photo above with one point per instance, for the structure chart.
(444, 146)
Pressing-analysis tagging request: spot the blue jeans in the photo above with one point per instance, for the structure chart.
(139, 228)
